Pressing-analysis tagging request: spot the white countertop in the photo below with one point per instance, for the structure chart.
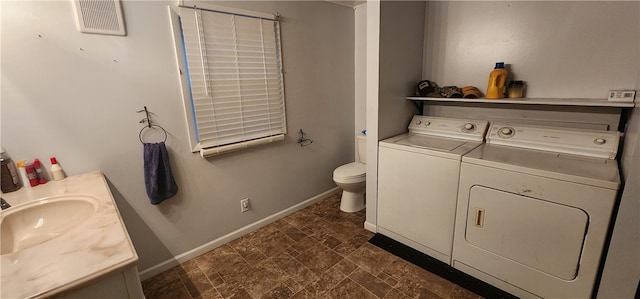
(100, 246)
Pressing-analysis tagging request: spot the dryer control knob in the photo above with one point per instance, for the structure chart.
(600, 141)
(469, 126)
(427, 123)
(505, 132)
(418, 122)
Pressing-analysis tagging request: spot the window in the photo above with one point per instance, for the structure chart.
(233, 85)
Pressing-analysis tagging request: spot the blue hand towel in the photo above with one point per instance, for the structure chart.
(158, 179)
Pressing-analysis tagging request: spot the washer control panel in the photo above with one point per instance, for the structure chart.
(592, 143)
(468, 129)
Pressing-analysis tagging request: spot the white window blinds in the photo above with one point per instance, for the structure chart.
(235, 76)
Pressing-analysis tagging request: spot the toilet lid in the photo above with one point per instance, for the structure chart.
(351, 170)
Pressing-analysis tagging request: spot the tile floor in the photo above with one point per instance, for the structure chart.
(318, 252)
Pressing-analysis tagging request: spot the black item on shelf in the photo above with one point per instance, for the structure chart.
(428, 88)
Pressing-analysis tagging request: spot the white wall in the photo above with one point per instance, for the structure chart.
(401, 34)
(372, 82)
(74, 96)
(564, 49)
(621, 273)
(360, 67)
(394, 65)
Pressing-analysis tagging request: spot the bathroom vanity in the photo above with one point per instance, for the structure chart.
(66, 238)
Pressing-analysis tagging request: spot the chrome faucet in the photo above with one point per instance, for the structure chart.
(5, 205)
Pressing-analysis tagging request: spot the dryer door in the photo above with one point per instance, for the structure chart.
(530, 235)
(543, 235)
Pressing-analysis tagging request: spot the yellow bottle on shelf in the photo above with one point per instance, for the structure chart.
(497, 79)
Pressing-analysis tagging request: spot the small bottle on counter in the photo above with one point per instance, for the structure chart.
(57, 173)
(40, 173)
(31, 174)
(23, 173)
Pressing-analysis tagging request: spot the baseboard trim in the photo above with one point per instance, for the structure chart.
(370, 227)
(193, 253)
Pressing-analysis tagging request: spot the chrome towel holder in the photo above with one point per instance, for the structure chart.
(149, 125)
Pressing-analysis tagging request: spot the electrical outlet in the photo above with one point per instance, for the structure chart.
(244, 205)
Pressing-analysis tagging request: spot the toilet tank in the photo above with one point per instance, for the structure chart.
(361, 145)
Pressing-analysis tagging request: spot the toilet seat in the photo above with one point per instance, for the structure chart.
(351, 171)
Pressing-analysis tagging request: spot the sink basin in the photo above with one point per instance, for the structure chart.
(31, 224)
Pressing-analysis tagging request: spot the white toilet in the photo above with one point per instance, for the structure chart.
(351, 178)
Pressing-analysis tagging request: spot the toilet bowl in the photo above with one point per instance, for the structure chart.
(351, 178)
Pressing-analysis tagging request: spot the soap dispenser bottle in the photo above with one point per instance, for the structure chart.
(57, 173)
(497, 79)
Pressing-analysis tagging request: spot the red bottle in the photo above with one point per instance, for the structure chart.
(31, 174)
(39, 171)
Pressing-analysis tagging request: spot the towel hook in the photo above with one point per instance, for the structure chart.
(303, 141)
(147, 119)
(149, 125)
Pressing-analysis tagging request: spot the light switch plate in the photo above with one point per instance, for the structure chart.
(622, 96)
(244, 205)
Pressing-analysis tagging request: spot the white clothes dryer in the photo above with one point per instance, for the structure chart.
(534, 207)
(418, 182)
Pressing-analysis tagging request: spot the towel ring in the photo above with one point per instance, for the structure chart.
(151, 126)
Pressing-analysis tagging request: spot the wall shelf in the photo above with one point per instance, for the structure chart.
(532, 101)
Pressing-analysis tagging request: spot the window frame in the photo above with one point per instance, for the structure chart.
(189, 109)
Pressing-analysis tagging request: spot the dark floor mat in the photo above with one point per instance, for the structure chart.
(439, 268)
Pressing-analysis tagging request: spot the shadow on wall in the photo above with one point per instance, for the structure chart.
(139, 231)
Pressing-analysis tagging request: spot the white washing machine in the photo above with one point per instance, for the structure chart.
(534, 206)
(418, 181)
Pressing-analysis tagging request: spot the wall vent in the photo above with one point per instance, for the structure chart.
(100, 16)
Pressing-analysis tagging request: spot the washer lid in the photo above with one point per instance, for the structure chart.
(591, 143)
(351, 170)
(449, 148)
(432, 143)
